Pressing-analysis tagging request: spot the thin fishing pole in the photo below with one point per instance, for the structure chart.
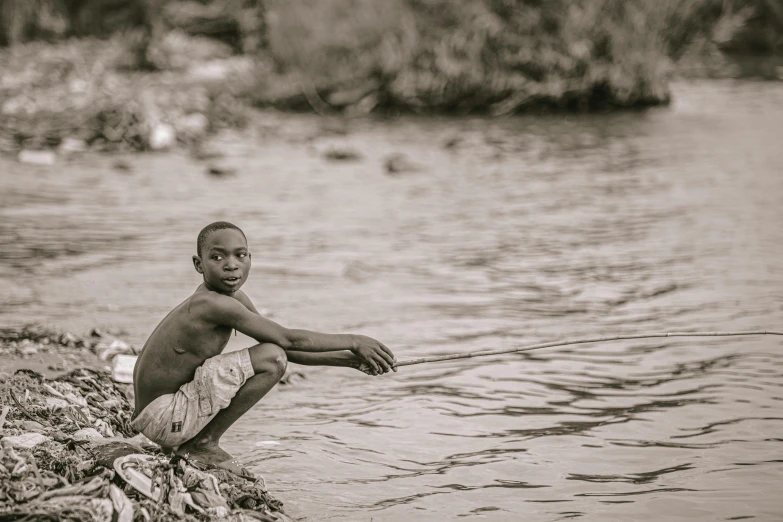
(438, 358)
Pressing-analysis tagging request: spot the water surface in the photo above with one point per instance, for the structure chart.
(525, 230)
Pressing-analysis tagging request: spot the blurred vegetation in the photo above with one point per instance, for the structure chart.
(110, 71)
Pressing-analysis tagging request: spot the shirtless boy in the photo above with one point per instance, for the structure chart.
(188, 393)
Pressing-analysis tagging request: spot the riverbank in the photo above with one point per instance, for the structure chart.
(190, 71)
(64, 430)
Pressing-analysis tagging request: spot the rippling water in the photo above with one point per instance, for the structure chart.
(527, 230)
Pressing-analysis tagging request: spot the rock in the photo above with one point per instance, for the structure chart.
(399, 163)
(32, 426)
(27, 440)
(68, 339)
(71, 146)
(37, 157)
(121, 165)
(221, 170)
(452, 142)
(337, 154)
(86, 434)
(29, 350)
(162, 137)
(213, 71)
(122, 369)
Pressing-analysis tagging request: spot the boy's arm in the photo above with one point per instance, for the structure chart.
(343, 358)
(224, 310)
(245, 300)
(340, 358)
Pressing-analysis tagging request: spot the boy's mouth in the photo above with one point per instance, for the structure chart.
(232, 280)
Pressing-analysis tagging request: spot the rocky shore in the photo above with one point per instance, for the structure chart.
(68, 452)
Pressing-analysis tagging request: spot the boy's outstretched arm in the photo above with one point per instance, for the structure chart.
(225, 310)
(341, 358)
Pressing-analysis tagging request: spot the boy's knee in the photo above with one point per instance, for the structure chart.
(269, 358)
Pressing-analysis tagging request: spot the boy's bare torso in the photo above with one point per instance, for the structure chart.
(178, 345)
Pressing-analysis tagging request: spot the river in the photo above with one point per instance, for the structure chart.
(510, 232)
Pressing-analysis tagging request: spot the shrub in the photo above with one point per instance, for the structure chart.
(496, 55)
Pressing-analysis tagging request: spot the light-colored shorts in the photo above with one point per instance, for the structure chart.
(175, 418)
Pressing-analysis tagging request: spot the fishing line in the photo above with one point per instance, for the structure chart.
(438, 358)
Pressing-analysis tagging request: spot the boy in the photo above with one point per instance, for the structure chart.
(188, 393)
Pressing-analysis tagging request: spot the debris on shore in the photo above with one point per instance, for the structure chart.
(68, 452)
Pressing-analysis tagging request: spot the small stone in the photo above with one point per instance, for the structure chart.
(29, 350)
(37, 157)
(72, 145)
(121, 165)
(337, 154)
(68, 339)
(221, 170)
(452, 142)
(163, 137)
(398, 164)
(212, 71)
(27, 440)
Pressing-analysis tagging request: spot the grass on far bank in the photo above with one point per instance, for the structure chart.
(351, 56)
(496, 56)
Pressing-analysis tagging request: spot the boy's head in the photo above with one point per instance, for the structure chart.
(222, 257)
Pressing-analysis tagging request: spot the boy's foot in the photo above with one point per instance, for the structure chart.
(212, 455)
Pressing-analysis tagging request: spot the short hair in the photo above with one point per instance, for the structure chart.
(212, 227)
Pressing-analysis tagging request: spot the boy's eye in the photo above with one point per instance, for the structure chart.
(217, 258)
(242, 255)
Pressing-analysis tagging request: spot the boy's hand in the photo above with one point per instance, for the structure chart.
(375, 357)
(365, 368)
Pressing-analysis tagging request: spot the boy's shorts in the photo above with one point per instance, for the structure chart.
(174, 418)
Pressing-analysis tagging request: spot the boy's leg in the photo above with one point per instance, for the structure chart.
(269, 363)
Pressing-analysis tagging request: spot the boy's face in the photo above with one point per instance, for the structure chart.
(224, 261)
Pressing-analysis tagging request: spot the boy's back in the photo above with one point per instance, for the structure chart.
(179, 344)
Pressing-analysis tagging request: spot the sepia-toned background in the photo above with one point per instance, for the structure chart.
(446, 176)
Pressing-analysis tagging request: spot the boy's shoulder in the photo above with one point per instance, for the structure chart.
(213, 305)
(205, 298)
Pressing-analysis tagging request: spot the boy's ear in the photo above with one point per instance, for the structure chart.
(197, 264)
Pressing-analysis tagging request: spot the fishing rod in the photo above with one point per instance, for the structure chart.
(438, 358)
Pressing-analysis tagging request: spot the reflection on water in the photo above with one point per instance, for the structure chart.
(530, 229)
